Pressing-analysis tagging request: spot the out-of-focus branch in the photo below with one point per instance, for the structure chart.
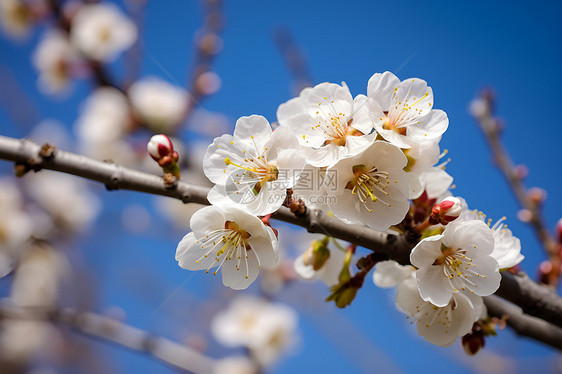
(132, 59)
(15, 101)
(483, 111)
(523, 324)
(207, 45)
(535, 299)
(99, 73)
(294, 59)
(111, 330)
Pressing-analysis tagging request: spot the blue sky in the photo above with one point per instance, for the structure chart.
(457, 47)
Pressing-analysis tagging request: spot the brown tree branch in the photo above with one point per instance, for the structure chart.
(108, 329)
(534, 299)
(523, 324)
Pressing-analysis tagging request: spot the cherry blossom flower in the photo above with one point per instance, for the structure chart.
(15, 17)
(372, 187)
(254, 168)
(102, 126)
(402, 111)
(328, 122)
(67, 199)
(37, 284)
(16, 225)
(457, 260)
(101, 31)
(439, 325)
(230, 238)
(53, 57)
(266, 329)
(158, 103)
(507, 247)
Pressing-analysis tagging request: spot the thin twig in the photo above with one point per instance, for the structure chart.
(294, 57)
(114, 331)
(206, 48)
(535, 299)
(483, 113)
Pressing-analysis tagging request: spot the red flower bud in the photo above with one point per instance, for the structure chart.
(474, 340)
(159, 147)
(446, 211)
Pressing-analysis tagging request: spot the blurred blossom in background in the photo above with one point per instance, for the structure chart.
(100, 78)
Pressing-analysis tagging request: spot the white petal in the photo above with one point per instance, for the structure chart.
(281, 139)
(391, 273)
(408, 298)
(254, 128)
(207, 219)
(488, 280)
(323, 157)
(236, 279)
(427, 251)
(432, 126)
(443, 333)
(393, 137)
(436, 182)
(415, 184)
(416, 94)
(365, 110)
(289, 109)
(266, 249)
(302, 270)
(470, 234)
(214, 165)
(384, 156)
(330, 272)
(290, 164)
(332, 92)
(189, 254)
(381, 87)
(434, 286)
(346, 206)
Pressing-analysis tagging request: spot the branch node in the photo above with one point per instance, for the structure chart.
(314, 225)
(114, 183)
(47, 151)
(170, 181)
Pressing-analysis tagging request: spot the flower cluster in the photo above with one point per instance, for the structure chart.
(374, 160)
(360, 151)
(442, 292)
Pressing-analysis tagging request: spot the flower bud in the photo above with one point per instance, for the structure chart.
(524, 215)
(446, 211)
(474, 340)
(479, 108)
(161, 149)
(536, 195)
(546, 272)
(345, 291)
(160, 146)
(317, 254)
